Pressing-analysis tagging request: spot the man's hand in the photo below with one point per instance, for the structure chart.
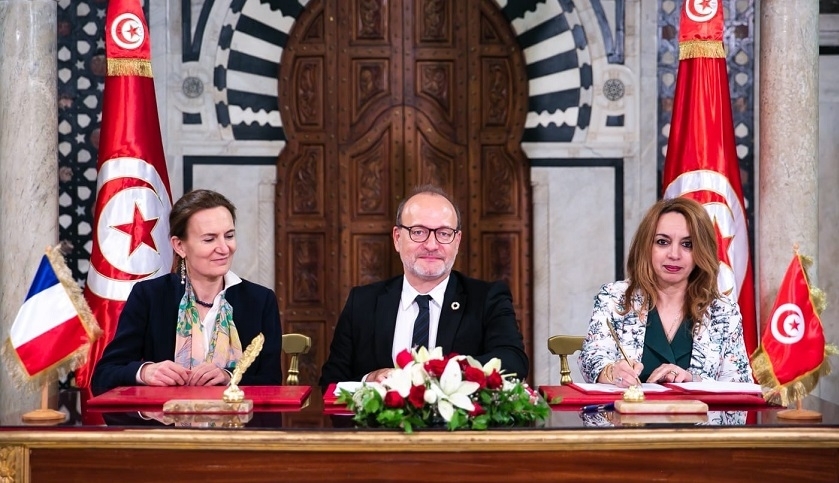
(207, 374)
(165, 373)
(378, 375)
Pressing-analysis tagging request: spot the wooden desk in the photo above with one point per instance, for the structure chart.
(763, 450)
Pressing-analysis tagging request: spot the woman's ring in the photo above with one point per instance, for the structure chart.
(620, 379)
(674, 374)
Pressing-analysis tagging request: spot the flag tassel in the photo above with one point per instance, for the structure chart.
(795, 390)
(692, 49)
(11, 357)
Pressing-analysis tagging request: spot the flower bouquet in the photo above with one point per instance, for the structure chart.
(428, 389)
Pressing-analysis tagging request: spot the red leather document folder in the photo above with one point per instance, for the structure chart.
(330, 402)
(571, 395)
(329, 397)
(130, 396)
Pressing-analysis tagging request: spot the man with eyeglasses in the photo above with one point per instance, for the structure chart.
(430, 305)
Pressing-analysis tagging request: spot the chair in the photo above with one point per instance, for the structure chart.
(564, 346)
(294, 345)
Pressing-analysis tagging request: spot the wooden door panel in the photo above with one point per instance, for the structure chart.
(378, 96)
(371, 172)
(369, 60)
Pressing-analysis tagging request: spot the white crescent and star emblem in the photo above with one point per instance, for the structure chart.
(127, 31)
(132, 231)
(701, 10)
(729, 219)
(787, 324)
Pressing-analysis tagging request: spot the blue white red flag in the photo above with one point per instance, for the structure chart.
(54, 326)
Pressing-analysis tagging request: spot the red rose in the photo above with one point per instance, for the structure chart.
(494, 380)
(477, 411)
(463, 364)
(404, 358)
(394, 400)
(416, 396)
(473, 374)
(435, 367)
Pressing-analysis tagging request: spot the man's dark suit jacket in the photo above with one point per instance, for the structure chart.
(484, 326)
(146, 331)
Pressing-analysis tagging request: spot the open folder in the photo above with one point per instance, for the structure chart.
(140, 396)
(711, 393)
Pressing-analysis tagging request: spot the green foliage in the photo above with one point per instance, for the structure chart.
(513, 405)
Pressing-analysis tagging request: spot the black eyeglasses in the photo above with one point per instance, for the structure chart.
(420, 234)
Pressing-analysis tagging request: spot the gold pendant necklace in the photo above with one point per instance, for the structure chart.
(677, 321)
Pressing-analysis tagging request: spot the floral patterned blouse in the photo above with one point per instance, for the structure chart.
(719, 352)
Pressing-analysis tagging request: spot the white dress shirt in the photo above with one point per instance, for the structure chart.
(407, 314)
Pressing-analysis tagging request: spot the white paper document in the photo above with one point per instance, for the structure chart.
(647, 387)
(350, 386)
(720, 387)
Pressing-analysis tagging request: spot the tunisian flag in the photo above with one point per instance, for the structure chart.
(133, 199)
(792, 350)
(701, 160)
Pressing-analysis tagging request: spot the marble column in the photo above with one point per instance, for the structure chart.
(28, 165)
(789, 124)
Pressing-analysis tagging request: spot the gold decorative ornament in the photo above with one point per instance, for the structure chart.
(232, 399)
(233, 394)
(633, 394)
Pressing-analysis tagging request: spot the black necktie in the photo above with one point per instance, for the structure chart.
(421, 324)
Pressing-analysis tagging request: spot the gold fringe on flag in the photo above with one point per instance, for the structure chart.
(27, 382)
(792, 391)
(795, 390)
(691, 49)
(125, 67)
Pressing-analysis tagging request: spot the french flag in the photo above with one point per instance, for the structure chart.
(49, 329)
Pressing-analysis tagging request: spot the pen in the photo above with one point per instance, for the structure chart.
(620, 348)
(596, 408)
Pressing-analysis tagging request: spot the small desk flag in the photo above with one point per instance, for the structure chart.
(53, 328)
(793, 354)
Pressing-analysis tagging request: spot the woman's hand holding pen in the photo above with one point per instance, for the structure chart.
(625, 375)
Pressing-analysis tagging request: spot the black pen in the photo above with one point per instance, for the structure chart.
(596, 408)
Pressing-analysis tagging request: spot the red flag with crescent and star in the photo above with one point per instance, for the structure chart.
(133, 198)
(701, 161)
(792, 353)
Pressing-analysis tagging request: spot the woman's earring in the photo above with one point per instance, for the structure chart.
(183, 271)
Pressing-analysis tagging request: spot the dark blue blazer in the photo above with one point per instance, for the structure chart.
(484, 326)
(146, 331)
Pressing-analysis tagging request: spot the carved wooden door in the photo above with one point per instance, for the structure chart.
(378, 96)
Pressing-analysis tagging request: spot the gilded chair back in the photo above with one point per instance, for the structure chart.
(295, 345)
(564, 346)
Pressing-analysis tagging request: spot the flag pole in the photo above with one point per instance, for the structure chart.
(799, 413)
(44, 415)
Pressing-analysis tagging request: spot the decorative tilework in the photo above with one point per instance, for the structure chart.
(245, 74)
(81, 69)
(555, 46)
(613, 41)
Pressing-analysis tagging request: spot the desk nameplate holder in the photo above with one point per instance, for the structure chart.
(233, 400)
(634, 402)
